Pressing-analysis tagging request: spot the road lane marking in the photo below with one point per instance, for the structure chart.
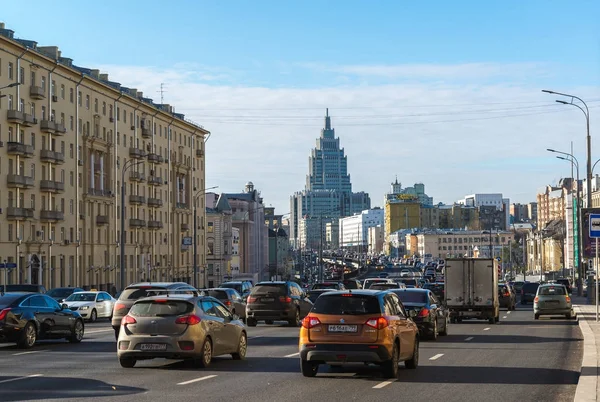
(382, 384)
(28, 353)
(487, 329)
(197, 379)
(293, 354)
(508, 312)
(98, 331)
(436, 356)
(257, 336)
(21, 378)
(469, 338)
(504, 317)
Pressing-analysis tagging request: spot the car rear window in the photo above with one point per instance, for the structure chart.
(279, 289)
(412, 297)
(530, 287)
(350, 285)
(166, 308)
(218, 294)
(552, 291)
(138, 293)
(409, 281)
(22, 288)
(383, 286)
(236, 286)
(349, 304)
(318, 286)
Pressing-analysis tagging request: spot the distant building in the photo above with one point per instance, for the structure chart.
(523, 212)
(415, 193)
(354, 230)
(458, 243)
(488, 200)
(219, 238)
(376, 239)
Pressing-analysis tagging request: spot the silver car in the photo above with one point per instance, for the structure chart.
(180, 327)
(552, 299)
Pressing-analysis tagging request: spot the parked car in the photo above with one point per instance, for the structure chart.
(242, 287)
(552, 299)
(506, 296)
(25, 287)
(60, 294)
(272, 301)
(140, 290)
(25, 318)
(362, 326)
(352, 284)
(528, 292)
(91, 305)
(180, 326)
(431, 316)
(231, 299)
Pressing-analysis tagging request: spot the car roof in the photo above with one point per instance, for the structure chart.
(413, 290)
(89, 291)
(272, 283)
(545, 285)
(157, 284)
(361, 292)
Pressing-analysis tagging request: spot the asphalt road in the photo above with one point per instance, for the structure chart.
(518, 359)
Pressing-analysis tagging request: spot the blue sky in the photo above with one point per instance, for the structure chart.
(440, 79)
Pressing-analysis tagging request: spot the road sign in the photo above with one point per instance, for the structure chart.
(595, 226)
(186, 241)
(8, 265)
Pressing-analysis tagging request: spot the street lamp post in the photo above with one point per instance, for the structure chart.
(14, 84)
(198, 194)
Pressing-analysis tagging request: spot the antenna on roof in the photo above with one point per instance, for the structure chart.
(162, 92)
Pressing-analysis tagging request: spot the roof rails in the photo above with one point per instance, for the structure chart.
(167, 292)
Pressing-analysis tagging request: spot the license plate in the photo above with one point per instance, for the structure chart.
(267, 299)
(342, 328)
(153, 346)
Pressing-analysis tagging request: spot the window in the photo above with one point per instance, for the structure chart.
(87, 101)
(32, 201)
(62, 91)
(210, 227)
(211, 247)
(53, 88)
(80, 98)
(71, 95)
(104, 108)
(71, 208)
(43, 83)
(22, 76)
(71, 178)
(10, 71)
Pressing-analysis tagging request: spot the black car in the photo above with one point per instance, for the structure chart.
(242, 287)
(59, 294)
(25, 287)
(27, 317)
(506, 296)
(273, 301)
(431, 317)
(528, 292)
(313, 295)
(567, 283)
(438, 290)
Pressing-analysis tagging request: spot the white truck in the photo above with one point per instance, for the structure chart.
(471, 289)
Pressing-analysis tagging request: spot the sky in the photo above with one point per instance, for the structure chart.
(442, 93)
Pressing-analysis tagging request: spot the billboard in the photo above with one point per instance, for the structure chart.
(589, 244)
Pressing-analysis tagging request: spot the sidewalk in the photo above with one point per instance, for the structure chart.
(588, 386)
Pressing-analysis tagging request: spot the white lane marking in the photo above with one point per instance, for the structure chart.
(98, 331)
(382, 384)
(197, 379)
(508, 312)
(487, 329)
(436, 356)
(254, 337)
(293, 354)
(469, 338)
(28, 353)
(504, 317)
(21, 378)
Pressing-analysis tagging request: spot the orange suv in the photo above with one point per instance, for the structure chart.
(358, 326)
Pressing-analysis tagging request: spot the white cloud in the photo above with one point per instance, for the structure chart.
(457, 139)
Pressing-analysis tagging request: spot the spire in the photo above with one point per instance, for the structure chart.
(327, 120)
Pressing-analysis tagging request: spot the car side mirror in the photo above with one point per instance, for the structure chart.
(64, 306)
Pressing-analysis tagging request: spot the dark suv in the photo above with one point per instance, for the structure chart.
(528, 292)
(277, 301)
(26, 287)
(140, 290)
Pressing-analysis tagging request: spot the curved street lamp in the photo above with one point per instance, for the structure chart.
(198, 194)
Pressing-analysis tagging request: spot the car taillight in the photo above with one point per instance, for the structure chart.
(310, 322)
(423, 313)
(251, 299)
(536, 299)
(506, 294)
(227, 303)
(568, 301)
(188, 319)
(377, 323)
(3, 313)
(128, 320)
(285, 299)
(119, 306)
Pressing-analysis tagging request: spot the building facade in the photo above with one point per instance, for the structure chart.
(219, 239)
(376, 239)
(354, 230)
(416, 192)
(459, 243)
(70, 139)
(489, 200)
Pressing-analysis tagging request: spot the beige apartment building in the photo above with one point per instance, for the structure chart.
(470, 243)
(69, 138)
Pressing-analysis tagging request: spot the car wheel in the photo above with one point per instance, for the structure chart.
(251, 322)
(29, 336)
(492, 320)
(309, 369)
(77, 333)
(536, 316)
(569, 316)
(127, 362)
(93, 316)
(434, 331)
(296, 321)
(445, 331)
(269, 322)
(242, 348)
(413, 362)
(206, 356)
(390, 367)
(117, 334)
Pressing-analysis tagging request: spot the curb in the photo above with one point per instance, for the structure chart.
(588, 377)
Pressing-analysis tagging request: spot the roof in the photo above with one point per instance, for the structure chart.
(223, 204)
(360, 292)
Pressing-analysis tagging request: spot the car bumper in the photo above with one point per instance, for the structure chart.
(345, 353)
(9, 334)
(552, 311)
(274, 315)
(130, 346)
(425, 327)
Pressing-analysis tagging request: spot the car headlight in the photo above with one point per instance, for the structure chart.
(84, 307)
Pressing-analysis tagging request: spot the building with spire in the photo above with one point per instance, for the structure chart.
(328, 191)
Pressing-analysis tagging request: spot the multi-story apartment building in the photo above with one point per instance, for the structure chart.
(444, 244)
(488, 200)
(400, 215)
(376, 238)
(69, 140)
(416, 192)
(551, 203)
(354, 230)
(219, 238)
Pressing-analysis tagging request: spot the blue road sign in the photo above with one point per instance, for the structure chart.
(8, 265)
(595, 226)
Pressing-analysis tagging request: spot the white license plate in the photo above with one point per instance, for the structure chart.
(153, 346)
(342, 328)
(267, 299)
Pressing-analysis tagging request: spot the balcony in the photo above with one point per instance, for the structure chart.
(155, 158)
(37, 93)
(155, 202)
(101, 220)
(136, 153)
(19, 181)
(146, 132)
(51, 216)
(182, 205)
(137, 199)
(96, 192)
(29, 120)
(16, 148)
(48, 126)
(155, 181)
(199, 153)
(137, 223)
(185, 227)
(60, 128)
(47, 155)
(137, 176)
(19, 213)
(52, 186)
(15, 116)
(155, 225)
